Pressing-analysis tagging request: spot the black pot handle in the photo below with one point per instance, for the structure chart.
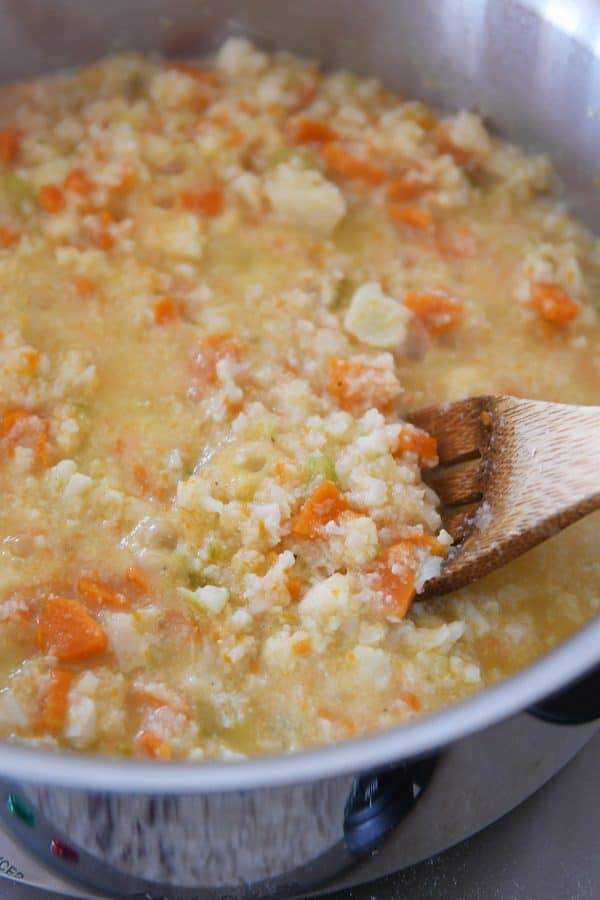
(574, 705)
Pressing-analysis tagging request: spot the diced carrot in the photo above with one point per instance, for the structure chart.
(68, 631)
(553, 303)
(40, 452)
(21, 427)
(10, 145)
(204, 76)
(302, 646)
(485, 418)
(415, 440)
(401, 189)
(415, 216)
(439, 312)
(155, 746)
(168, 309)
(105, 217)
(305, 130)
(104, 240)
(323, 506)
(411, 700)
(9, 236)
(235, 138)
(99, 594)
(142, 476)
(137, 578)
(339, 718)
(342, 162)
(51, 198)
(125, 182)
(84, 287)
(29, 361)
(78, 182)
(395, 578)
(357, 385)
(11, 417)
(55, 703)
(214, 347)
(421, 539)
(294, 586)
(207, 200)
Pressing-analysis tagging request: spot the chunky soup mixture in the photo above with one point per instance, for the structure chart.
(223, 286)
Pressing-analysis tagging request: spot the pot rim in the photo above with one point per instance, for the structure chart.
(553, 671)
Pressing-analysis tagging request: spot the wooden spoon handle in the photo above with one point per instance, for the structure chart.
(541, 473)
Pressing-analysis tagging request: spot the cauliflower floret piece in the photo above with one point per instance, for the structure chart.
(280, 649)
(305, 198)
(467, 131)
(372, 664)
(125, 639)
(328, 604)
(210, 598)
(177, 234)
(357, 537)
(375, 318)
(238, 56)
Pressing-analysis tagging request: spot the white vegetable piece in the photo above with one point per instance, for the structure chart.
(305, 198)
(210, 598)
(376, 319)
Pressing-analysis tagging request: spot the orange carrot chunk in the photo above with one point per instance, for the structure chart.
(154, 745)
(553, 303)
(341, 161)
(411, 700)
(99, 594)
(214, 347)
(168, 309)
(439, 312)
(415, 440)
(323, 506)
(78, 181)
(104, 240)
(204, 76)
(137, 578)
(68, 631)
(357, 385)
(401, 189)
(10, 145)
(294, 586)
(9, 236)
(11, 417)
(51, 198)
(205, 200)
(414, 216)
(55, 702)
(84, 287)
(395, 578)
(305, 131)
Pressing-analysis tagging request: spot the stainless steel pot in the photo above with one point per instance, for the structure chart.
(289, 824)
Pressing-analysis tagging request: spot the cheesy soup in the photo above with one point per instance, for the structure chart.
(223, 286)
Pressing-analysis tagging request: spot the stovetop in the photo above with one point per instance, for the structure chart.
(548, 848)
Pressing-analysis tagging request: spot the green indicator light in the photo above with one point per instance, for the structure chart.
(20, 810)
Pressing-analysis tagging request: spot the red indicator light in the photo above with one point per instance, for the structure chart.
(63, 851)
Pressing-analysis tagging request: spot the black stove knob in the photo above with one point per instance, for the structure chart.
(576, 704)
(380, 800)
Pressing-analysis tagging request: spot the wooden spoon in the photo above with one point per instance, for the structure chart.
(511, 474)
